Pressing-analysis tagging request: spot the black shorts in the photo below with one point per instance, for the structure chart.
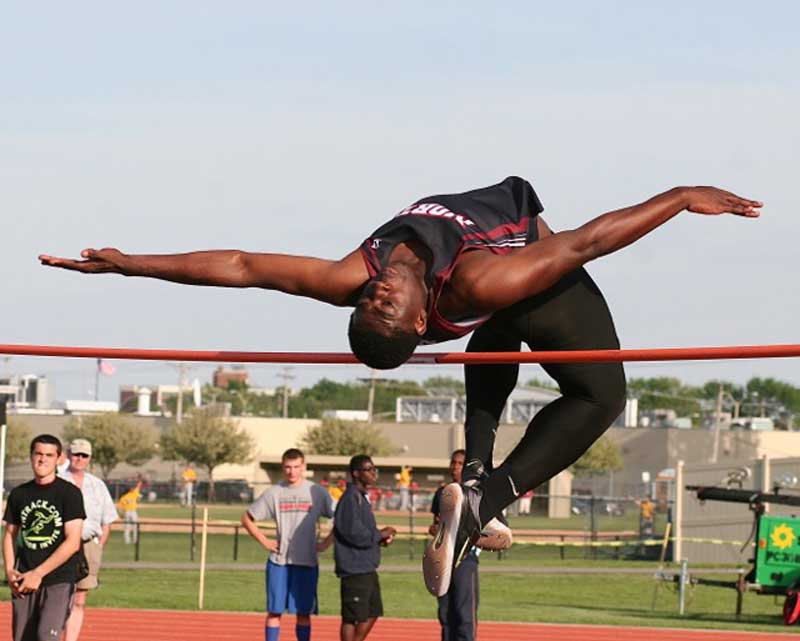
(361, 597)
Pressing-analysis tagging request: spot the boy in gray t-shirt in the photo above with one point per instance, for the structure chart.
(296, 506)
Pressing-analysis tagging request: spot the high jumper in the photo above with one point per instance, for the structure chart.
(482, 261)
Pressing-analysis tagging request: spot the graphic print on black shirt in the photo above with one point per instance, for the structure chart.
(41, 511)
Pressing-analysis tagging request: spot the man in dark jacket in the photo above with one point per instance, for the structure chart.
(357, 542)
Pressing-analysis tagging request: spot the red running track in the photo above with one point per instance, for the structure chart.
(107, 624)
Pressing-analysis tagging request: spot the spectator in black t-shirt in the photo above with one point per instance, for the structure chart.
(41, 546)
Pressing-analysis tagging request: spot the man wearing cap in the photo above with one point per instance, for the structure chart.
(100, 513)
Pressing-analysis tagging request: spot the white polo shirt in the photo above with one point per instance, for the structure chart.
(97, 502)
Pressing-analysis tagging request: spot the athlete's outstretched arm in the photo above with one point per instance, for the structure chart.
(331, 281)
(491, 282)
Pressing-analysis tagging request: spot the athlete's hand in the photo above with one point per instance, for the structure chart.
(272, 546)
(13, 578)
(713, 201)
(95, 261)
(387, 535)
(324, 544)
(29, 582)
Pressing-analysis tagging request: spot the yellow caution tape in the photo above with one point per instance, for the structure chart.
(609, 544)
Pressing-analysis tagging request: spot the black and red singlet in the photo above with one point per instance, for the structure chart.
(499, 218)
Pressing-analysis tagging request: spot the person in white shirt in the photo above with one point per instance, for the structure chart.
(100, 514)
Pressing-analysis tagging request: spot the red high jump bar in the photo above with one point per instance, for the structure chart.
(430, 358)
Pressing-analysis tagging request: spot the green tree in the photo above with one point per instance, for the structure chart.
(345, 438)
(543, 383)
(667, 393)
(18, 440)
(710, 390)
(604, 456)
(208, 440)
(773, 393)
(114, 438)
(444, 385)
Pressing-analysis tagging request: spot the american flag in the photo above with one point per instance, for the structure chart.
(105, 368)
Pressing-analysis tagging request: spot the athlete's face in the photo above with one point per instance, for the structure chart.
(294, 470)
(394, 298)
(79, 462)
(44, 460)
(456, 467)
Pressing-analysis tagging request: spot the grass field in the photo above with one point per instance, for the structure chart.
(629, 521)
(554, 598)
(176, 548)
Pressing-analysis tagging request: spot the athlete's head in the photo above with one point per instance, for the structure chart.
(390, 318)
(45, 450)
(293, 463)
(457, 465)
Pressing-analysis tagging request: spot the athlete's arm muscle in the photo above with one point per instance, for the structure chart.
(330, 281)
(491, 282)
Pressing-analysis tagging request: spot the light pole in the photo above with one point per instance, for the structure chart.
(718, 419)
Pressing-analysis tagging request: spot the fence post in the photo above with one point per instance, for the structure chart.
(562, 547)
(741, 588)
(593, 525)
(192, 543)
(411, 524)
(236, 543)
(677, 528)
(683, 577)
(138, 533)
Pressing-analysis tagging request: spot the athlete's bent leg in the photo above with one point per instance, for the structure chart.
(572, 315)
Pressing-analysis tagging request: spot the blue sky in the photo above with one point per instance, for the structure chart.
(175, 126)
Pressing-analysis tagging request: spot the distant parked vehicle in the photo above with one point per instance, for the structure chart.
(227, 491)
(583, 504)
(753, 423)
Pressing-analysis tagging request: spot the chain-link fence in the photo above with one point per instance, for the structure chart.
(593, 527)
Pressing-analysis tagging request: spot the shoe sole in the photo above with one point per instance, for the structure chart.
(437, 562)
(495, 536)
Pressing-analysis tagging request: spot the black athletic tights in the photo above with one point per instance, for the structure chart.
(571, 315)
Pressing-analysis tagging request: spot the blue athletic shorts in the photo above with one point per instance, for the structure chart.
(292, 589)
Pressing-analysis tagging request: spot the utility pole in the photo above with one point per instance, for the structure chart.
(286, 377)
(182, 370)
(373, 381)
(717, 426)
(371, 398)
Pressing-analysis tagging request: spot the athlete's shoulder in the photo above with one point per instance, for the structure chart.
(22, 488)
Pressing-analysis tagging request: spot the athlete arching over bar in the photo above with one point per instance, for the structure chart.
(485, 262)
